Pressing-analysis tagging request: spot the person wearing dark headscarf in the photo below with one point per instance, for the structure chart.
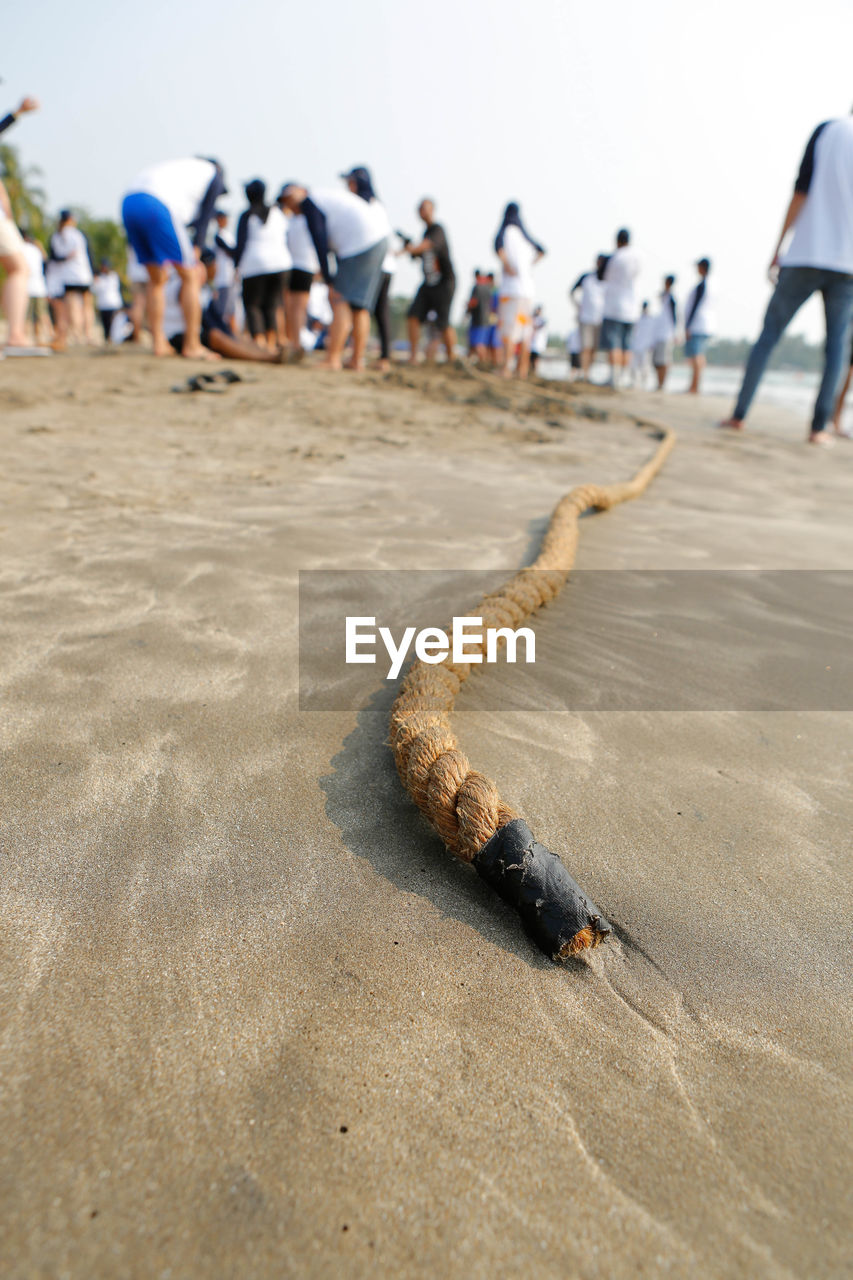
(360, 183)
(518, 252)
(263, 259)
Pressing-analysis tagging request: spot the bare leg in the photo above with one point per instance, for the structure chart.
(339, 331)
(14, 297)
(839, 407)
(233, 348)
(698, 364)
(360, 335)
(413, 326)
(661, 370)
(60, 323)
(89, 318)
(156, 300)
(191, 307)
(523, 359)
(506, 363)
(449, 339)
(137, 311)
(74, 311)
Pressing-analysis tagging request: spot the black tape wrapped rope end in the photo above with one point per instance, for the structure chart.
(556, 913)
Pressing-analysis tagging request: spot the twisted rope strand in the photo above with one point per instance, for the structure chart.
(463, 805)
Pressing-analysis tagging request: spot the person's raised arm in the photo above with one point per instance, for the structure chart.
(26, 104)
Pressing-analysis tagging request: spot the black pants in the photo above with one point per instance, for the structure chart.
(106, 318)
(382, 315)
(262, 297)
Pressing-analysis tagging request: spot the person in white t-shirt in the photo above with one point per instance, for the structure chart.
(304, 272)
(263, 260)
(37, 289)
(621, 305)
(519, 253)
(69, 246)
(13, 298)
(699, 324)
(356, 231)
(818, 259)
(360, 184)
(587, 294)
(166, 212)
(642, 341)
(539, 342)
(666, 323)
(106, 286)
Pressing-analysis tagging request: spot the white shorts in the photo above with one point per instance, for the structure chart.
(11, 241)
(516, 319)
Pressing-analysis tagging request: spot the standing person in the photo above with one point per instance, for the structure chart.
(37, 289)
(587, 294)
(55, 284)
(13, 298)
(495, 345)
(539, 344)
(225, 272)
(818, 259)
(70, 247)
(106, 287)
(642, 341)
(519, 253)
(305, 269)
(360, 183)
(479, 312)
(166, 212)
(666, 323)
(439, 283)
(621, 305)
(356, 231)
(263, 260)
(698, 324)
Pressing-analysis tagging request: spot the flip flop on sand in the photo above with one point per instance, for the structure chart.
(199, 382)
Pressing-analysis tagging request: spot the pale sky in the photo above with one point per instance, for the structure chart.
(685, 122)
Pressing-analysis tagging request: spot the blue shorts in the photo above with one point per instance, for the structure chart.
(152, 232)
(479, 335)
(696, 344)
(358, 278)
(494, 340)
(616, 335)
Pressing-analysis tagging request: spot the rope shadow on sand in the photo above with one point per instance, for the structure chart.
(378, 822)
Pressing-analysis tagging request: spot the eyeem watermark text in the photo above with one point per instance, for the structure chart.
(467, 642)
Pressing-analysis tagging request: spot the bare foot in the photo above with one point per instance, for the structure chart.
(822, 439)
(733, 424)
(331, 362)
(200, 353)
(383, 366)
(166, 350)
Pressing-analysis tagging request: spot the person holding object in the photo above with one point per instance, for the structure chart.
(439, 283)
(356, 231)
(819, 258)
(166, 212)
(519, 253)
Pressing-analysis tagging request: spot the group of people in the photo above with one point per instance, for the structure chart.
(313, 265)
(611, 318)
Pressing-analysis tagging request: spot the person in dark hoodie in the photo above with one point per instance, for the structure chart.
(518, 252)
(263, 259)
(360, 183)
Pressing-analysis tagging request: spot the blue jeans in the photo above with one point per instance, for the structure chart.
(796, 285)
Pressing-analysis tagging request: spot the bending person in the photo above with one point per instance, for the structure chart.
(356, 231)
(166, 212)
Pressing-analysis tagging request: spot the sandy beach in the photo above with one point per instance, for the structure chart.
(254, 1020)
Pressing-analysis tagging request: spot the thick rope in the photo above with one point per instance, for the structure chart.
(462, 804)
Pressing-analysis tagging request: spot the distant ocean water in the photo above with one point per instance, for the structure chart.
(789, 390)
